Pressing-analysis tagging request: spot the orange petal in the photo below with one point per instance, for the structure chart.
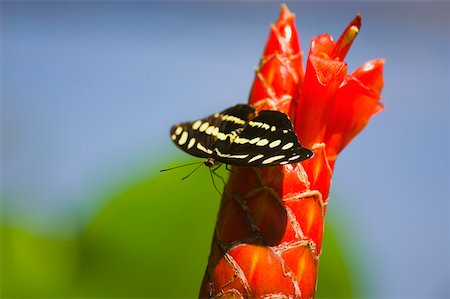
(371, 74)
(322, 79)
(355, 104)
(322, 46)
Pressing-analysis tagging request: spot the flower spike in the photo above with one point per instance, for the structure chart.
(345, 41)
(268, 237)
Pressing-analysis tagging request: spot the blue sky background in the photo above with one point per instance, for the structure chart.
(90, 89)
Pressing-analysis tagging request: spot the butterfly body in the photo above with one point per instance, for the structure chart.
(237, 136)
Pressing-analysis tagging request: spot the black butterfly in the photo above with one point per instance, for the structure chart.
(236, 137)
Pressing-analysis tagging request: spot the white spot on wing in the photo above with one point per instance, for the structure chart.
(233, 135)
(174, 136)
(254, 140)
(204, 126)
(221, 136)
(257, 157)
(191, 143)
(178, 131)
(262, 142)
(233, 119)
(259, 125)
(287, 146)
(204, 149)
(273, 159)
(275, 143)
(294, 157)
(183, 138)
(196, 125)
(240, 140)
(230, 155)
(210, 130)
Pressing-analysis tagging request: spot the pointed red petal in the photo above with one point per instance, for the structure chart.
(347, 38)
(322, 79)
(355, 104)
(371, 74)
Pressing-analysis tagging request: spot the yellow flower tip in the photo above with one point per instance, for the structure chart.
(346, 39)
(350, 35)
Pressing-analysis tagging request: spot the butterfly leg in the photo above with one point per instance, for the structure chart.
(227, 168)
(211, 172)
(217, 175)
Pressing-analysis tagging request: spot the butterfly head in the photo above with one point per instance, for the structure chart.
(210, 162)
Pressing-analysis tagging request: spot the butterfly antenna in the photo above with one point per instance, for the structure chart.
(192, 171)
(214, 183)
(179, 166)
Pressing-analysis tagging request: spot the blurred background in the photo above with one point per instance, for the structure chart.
(90, 89)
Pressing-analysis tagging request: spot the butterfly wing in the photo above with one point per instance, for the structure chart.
(183, 137)
(266, 140)
(200, 137)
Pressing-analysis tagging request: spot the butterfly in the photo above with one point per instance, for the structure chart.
(239, 137)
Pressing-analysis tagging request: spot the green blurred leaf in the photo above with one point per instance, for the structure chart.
(35, 266)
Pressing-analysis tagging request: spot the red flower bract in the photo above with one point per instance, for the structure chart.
(268, 236)
(335, 106)
(280, 72)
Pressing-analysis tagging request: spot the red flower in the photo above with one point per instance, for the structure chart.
(335, 106)
(268, 235)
